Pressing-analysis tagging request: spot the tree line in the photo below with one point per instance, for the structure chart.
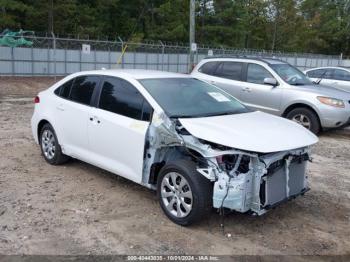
(316, 26)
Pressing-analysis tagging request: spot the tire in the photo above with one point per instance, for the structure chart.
(51, 151)
(308, 116)
(199, 186)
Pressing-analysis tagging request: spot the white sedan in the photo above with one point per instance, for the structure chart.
(195, 144)
(338, 77)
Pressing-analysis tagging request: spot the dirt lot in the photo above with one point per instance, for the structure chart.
(80, 209)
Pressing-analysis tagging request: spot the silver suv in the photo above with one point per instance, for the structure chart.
(278, 88)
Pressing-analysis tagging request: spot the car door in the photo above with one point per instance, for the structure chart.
(228, 76)
(73, 109)
(256, 94)
(117, 128)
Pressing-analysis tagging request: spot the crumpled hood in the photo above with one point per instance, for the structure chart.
(255, 131)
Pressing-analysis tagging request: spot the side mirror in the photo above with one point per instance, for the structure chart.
(270, 81)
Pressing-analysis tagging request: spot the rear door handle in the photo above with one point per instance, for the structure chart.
(247, 89)
(95, 119)
(212, 82)
(60, 107)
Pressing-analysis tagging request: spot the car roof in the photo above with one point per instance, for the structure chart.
(135, 73)
(267, 60)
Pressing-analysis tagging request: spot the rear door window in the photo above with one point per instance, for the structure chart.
(121, 97)
(83, 88)
(230, 70)
(256, 74)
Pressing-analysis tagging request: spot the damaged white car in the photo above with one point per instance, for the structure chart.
(195, 144)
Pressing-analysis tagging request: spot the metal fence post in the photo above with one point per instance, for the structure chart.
(340, 60)
(32, 58)
(162, 55)
(328, 61)
(95, 61)
(305, 67)
(13, 61)
(121, 52)
(54, 54)
(109, 58)
(134, 59)
(177, 60)
(65, 59)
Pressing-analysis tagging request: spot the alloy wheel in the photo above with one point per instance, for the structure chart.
(48, 144)
(302, 120)
(176, 194)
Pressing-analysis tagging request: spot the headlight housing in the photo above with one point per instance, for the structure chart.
(331, 101)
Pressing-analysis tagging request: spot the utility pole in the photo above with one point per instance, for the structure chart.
(192, 33)
(50, 16)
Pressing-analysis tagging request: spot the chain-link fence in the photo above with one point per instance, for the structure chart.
(53, 56)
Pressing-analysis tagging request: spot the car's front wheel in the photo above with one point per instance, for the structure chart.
(50, 147)
(184, 195)
(306, 118)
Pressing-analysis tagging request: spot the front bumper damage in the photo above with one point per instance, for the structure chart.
(242, 181)
(268, 179)
(271, 180)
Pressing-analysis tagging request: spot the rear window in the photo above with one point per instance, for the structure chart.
(83, 88)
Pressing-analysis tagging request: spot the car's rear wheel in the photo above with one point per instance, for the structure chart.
(184, 195)
(305, 117)
(50, 147)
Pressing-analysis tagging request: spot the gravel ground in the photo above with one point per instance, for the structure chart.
(80, 209)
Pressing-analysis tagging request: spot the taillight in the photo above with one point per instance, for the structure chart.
(37, 100)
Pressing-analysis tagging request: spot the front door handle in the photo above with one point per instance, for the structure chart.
(247, 89)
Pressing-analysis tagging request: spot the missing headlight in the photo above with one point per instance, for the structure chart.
(228, 162)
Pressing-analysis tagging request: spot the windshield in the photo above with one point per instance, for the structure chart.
(290, 74)
(189, 97)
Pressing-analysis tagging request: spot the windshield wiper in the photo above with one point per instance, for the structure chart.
(318, 81)
(204, 115)
(181, 116)
(297, 84)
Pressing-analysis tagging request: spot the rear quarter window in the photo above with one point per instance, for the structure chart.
(64, 90)
(208, 68)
